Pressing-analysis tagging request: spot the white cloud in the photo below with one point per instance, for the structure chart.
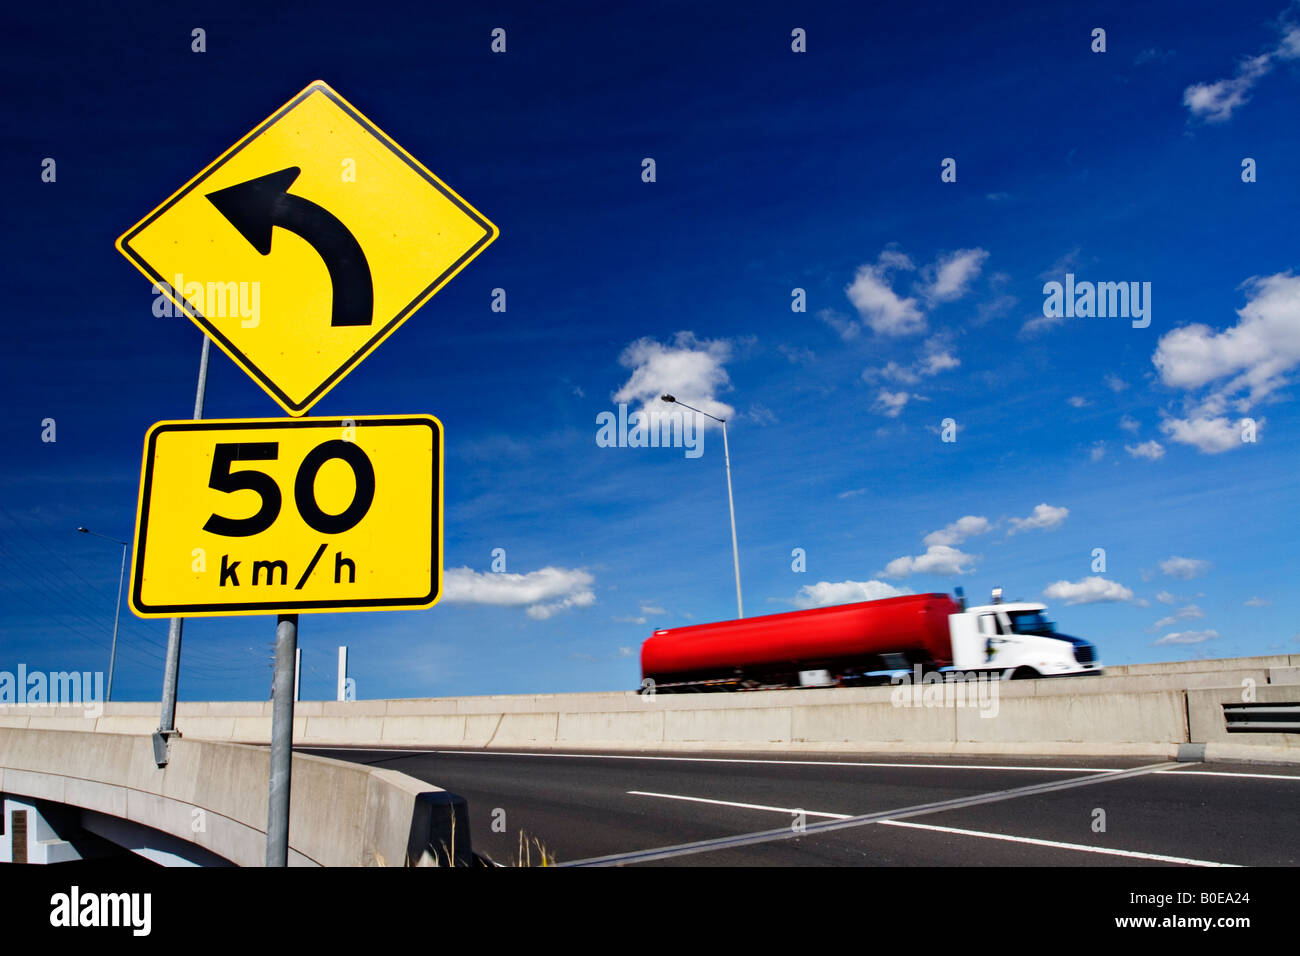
(1209, 436)
(1258, 350)
(938, 360)
(1115, 383)
(1164, 597)
(890, 403)
(1189, 613)
(880, 307)
(1289, 48)
(1188, 637)
(1242, 365)
(826, 593)
(1098, 451)
(544, 592)
(1214, 102)
(1257, 602)
(893, 259)
(1150, 450)
(687, 368)
(1184, 568)
(948, 278)
(1045, 518)
(846, 328)
(938, 559)
(891, 372)
(628, 620)
(540, 612)
(1130, 424)
(935, 358)
(798, 355)
(959, 531)
(852, 493)
(887, 312)
(1078, 401)
(651, 609)
(625, 652)
(1066, 263)
(994, 308)
(1039, 324)
(1091, 590)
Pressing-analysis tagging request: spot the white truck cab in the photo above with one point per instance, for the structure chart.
(1017, 640)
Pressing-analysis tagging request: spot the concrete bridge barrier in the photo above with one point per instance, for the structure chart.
(1207, 724)
(1150, 710)
(213, 794)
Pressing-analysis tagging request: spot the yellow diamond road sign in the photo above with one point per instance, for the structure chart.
(306, 244)
(280, 515)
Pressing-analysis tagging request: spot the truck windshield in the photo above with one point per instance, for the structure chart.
(1031, 622)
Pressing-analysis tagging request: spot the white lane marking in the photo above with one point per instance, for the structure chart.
(1224, 773)
(1055, 844)
(797, 763)
(1082, 848)
(786, 833)
(743, 806)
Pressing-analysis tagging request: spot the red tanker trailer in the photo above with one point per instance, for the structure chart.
(842, 644)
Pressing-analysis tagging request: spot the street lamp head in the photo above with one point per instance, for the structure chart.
(667, 398)
(84, 530)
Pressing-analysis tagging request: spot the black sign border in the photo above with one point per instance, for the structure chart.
(299, 408)
(281, 607)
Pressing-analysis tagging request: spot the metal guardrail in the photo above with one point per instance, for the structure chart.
(1262, 718)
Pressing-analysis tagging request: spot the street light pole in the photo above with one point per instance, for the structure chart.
(176, 627)
(731, 502)
(117, 613)
(731, 506)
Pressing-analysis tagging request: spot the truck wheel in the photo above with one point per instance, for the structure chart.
(1025, 673)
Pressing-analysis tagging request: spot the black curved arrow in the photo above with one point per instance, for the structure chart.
(255, 206)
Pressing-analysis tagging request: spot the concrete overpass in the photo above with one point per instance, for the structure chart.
(350, 814)
(208, 806)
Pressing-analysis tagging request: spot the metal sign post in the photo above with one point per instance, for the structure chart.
(277, 806)
(171, 669)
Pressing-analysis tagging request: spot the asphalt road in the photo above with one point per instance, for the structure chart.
(740, 810)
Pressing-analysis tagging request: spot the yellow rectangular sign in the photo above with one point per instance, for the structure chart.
(265, 516)
(305, 245)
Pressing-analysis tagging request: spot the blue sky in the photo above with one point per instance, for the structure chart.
(774, 171)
